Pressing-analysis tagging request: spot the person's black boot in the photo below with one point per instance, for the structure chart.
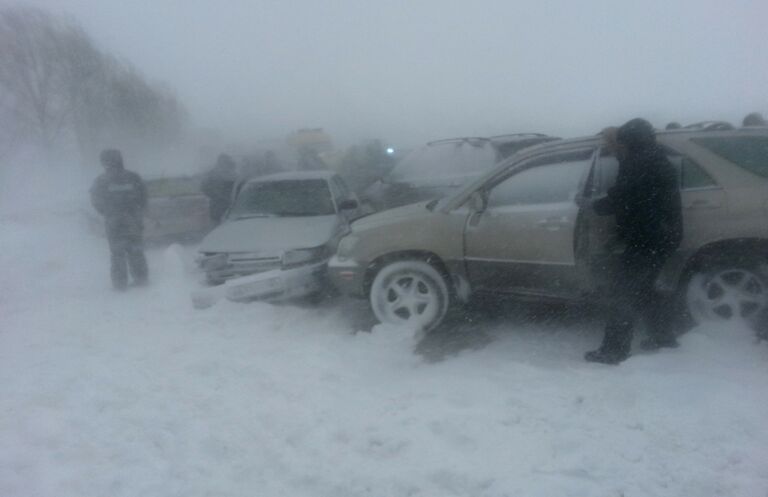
(605, 356)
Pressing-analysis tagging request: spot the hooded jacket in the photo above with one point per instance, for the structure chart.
(646, 198)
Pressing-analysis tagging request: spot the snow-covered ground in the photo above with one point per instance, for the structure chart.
(137, 394)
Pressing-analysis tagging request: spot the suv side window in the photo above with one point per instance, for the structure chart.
(747, 152)
(550, 179)
(693, 176)
(608, 170)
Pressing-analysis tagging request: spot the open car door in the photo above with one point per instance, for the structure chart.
(522, 242)
(596, 243)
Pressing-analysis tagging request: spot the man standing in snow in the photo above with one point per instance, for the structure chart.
(121, 197)
(646, 203)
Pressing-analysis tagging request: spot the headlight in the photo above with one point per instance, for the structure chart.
(346, 246)
(292, 258)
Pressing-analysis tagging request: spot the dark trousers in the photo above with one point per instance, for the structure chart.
(126, 247)
(634, 297)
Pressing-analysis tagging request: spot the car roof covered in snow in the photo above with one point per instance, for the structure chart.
(293, 175)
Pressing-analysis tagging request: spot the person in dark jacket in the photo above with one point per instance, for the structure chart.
(646, 203)
(120, 196)
(218, 185)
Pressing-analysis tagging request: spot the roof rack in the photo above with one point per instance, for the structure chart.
(710, 126)
(466, 139)
(519, 135)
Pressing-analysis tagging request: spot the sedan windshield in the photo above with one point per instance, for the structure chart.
(294, 198)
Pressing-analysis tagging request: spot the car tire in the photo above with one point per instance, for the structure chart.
(725, 292)
(410, 293)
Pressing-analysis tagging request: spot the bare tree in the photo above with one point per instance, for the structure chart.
(31, 75)
(54, 79)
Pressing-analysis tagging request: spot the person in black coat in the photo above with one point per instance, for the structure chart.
(218, 185)
(121, 197)
(646, 203)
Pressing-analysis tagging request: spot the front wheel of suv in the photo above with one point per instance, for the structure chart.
(726, 292)
(410, 293)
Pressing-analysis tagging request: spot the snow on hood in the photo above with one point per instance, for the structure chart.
(270, 234)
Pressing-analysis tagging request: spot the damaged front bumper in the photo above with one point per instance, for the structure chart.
(274, 285)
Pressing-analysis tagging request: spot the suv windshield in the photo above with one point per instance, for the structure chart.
(310, 197)
(445, 159)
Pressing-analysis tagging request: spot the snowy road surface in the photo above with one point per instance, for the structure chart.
(139, 395)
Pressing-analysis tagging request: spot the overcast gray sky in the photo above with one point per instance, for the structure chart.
(411, 70)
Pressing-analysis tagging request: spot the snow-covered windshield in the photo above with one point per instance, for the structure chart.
(441, 160)
(295, 198)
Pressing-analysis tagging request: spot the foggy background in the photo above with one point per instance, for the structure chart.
(409, 71)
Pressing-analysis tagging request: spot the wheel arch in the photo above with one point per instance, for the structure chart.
(427, 256)
(735, 250)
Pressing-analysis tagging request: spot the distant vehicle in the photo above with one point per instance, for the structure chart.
(277, 237)
(527, 229)
(176, 210)
(441, 167)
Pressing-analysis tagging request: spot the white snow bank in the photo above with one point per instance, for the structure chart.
(138, 394)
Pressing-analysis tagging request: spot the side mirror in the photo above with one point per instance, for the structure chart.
(478, 201)
(348, 205)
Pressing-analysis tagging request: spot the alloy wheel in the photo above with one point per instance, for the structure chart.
(726, 295)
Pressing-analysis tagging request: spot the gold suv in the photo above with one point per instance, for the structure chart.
(527, 229)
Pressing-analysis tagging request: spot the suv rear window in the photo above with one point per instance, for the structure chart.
(748, 152)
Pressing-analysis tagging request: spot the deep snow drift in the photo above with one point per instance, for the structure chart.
(137, 394)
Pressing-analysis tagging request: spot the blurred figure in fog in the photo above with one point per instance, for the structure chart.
(218, 185)
(674, 125)
(271, 163)
(309, 160)
(121, 197)
(754, 119)
(646, 203)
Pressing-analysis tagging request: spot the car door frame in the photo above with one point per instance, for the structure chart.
(477, 202)
(595, 265)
